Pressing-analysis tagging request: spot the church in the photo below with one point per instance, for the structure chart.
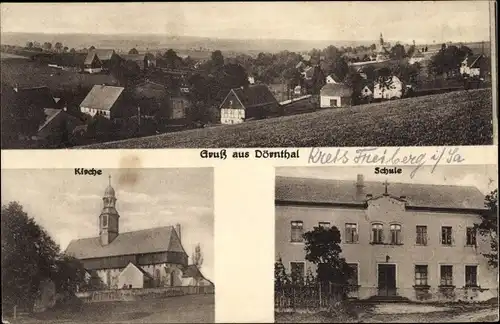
(139, 259)
(403, 241)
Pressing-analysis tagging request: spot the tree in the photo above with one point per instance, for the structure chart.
(217, 60)
(323, 249)
(410, 51)
(397, 52)
(70, 274)
(172, 61)
(47, 46)
(72, 51)
(133, 51)
(489, 226)
(58, 47)
(281, 278)
(65, 49)
(29, 45)
(28, 256)
(197, 256)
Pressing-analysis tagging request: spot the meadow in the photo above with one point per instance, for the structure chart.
(454, 118)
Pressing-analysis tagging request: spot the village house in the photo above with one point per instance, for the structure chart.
(413, 241)
(143, 61)
(58, 124)
(38, 97)
(155, 99)
(471, 65)
(140, 259)
(332, 78)
(388, 88)
(333, 95)
(72, 62)
(416, 57)
(105, 101)
(251, 102)
(99, 60)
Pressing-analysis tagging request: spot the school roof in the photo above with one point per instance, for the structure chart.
(160, 239)
(102, 97)
(255, 96)
(309, 190)
(102, 54)
(336, 90)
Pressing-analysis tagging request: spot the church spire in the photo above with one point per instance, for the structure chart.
(108, 220)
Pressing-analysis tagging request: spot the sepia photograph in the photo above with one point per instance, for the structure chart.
(244, 74)
(353, 245)
(107, 246)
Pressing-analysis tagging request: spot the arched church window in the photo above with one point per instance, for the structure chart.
(104, 221)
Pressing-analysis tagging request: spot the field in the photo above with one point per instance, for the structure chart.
(32, 74)
(454, 118)
(396, 313)
(182, 309)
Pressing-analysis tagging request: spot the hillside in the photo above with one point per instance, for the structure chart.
(455, 118)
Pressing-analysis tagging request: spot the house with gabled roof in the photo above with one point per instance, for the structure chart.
(153, 257)
(99, 60)
(403, 241)
(104, 100)
(471, 65)
(249, 102)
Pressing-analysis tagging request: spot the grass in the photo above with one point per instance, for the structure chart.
(367, 313)
(455, 118)
(26, 73)
(181, 309)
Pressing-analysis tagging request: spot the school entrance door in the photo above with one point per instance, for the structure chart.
(387, 280)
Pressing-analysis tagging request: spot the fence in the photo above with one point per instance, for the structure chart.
(142, 293)
(310, 296)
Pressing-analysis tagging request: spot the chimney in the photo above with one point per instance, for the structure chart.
(178, 230)
(368, 196)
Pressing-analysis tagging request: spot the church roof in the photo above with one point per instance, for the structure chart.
(160, 239)
(309, 190)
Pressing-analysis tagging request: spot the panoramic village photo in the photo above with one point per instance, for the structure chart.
(207, 75)
(122, 245)
(354, 246)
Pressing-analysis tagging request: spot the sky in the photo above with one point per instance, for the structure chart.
(68, 206)
(483, 177)
(402, 21)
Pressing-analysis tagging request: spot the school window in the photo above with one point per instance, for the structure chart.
(377, 233)
(351, 233)
(353, 275)
(395, 234)
(446, 235)
(471, 276)
(297, 229)
(325, 225)
(421, 275)
(421, 235)
(297, 271)
(471, 236)
(446, 275)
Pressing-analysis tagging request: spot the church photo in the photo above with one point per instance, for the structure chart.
(396, 238)
(139, 234)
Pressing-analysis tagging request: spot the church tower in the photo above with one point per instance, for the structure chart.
(109, 218)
